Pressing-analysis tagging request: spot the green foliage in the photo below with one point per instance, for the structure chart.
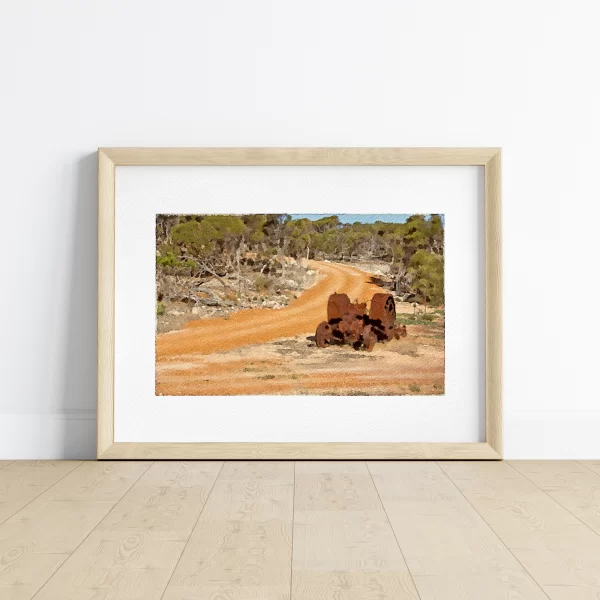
(417, 230)
(190, 264)
(326, 223)
(301, 233)
(175, 263)
(427, 271)
(261, 283)
(168, 260)
(415, 320)
(196, 237)
(436, 226)
(160, 309)
(202, 237)
(217, 244)
(255, 225)
(224, 225)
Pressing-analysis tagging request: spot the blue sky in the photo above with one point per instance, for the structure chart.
(352, 218)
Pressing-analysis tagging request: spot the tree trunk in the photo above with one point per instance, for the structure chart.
(238, 260)
(214, 299)
(212, 272)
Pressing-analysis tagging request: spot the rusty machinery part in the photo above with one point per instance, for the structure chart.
(382, 316)
(340, 305)
(350, 328)
(358, 309)
(369, 338)
(349, 323)
(383, 308)
(337, 306)
(324, 334)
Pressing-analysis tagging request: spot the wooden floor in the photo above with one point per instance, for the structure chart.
(305, 530)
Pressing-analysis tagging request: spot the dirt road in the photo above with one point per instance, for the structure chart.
(260, 325)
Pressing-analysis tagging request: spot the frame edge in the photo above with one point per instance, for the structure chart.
(493, 303)
(109, 158)
(299, 451)
(300, 156)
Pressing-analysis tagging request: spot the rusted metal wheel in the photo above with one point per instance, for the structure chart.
(369, 338)
(323, 335)
(383, 308)
(383, 316)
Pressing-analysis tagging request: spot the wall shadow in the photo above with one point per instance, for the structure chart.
(79, 371)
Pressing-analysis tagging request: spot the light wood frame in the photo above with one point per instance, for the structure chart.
(110, 158)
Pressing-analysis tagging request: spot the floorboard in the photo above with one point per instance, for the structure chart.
(592, 465)
(571, 484)
(450, 550)
(555, 547)
(133, 551)
(306, 530)
(41, 536)
(344, 546)
(23, 481)
(240, 548)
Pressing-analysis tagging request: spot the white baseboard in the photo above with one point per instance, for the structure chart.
(559, 435)
(527, 434)
(70, 434)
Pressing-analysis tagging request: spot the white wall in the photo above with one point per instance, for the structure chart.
(78, 75)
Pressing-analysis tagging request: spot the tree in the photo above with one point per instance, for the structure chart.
(327, 223)
(194, 237)
(300, 232)
(427, 277)
(163, 228)
(436, 234)
(254, 228)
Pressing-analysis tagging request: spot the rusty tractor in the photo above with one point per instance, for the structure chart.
(349, 323)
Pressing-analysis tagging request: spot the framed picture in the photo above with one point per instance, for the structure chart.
(299, 303)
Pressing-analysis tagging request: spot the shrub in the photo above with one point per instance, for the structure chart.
(261, 283)
(415, 320)
(168, 260)
(231, 295)
(160, 309)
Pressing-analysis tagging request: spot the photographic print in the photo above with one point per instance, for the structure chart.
(300, 304)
